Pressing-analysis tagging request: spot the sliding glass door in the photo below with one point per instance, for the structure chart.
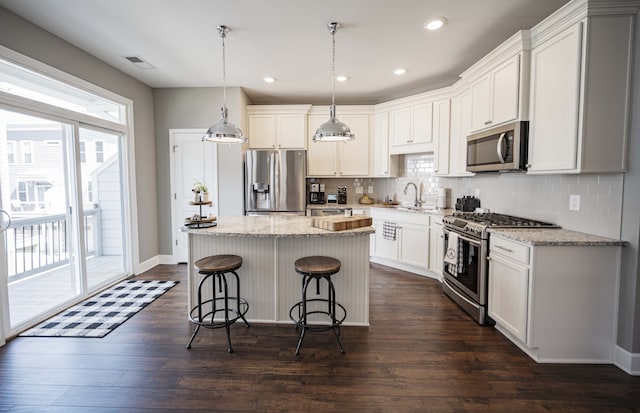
(62, 186)
(37, 192)
(102, 205)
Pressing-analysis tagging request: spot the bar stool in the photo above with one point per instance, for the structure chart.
(317, 268)
(217, 267)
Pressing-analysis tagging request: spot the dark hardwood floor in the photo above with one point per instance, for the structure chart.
(421, 353)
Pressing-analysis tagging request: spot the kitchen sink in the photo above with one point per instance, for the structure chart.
(415, 209)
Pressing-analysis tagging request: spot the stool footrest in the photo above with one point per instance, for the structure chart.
(212, 323)
(334, 320)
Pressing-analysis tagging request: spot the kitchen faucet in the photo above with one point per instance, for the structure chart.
(415, 201)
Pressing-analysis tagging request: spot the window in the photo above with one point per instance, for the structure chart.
(89, 191)
(99, 151)
(11, 152)
(27, 155)
(83, 152)
(30, 195)
(21, 81)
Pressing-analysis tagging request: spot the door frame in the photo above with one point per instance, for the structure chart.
(177, 221)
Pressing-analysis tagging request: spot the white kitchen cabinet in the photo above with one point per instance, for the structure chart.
(414, 243)
(410, 250)
(495, 95)
(277, 126)
(411, 128)
(460, 129)
(508, 291)
(339, 159)
(441, 135)
(556, 302)
(436, 246)
(383, 164)
(579, 106)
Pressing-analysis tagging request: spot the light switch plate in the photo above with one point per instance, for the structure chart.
(574, 202)
(370, 189)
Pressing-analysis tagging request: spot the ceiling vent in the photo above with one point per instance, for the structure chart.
(139, 62)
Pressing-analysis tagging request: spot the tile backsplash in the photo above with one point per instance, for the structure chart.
(541, 197)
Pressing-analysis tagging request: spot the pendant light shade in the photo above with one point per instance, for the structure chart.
(333, 130)
(224, 131)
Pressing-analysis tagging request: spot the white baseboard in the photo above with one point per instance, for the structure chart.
(629, 362)
(152, 262)
(147, 265)
(167, 259)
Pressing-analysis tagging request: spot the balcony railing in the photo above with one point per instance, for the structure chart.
(41, 243)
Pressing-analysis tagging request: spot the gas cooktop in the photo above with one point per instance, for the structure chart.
(478, 222)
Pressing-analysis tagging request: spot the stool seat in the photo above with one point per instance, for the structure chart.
(233, 308)
(317, 265)
(218, 263)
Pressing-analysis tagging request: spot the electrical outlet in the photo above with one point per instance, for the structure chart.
(477, 193)
(574, 202)
(370, 189)
(359, 189)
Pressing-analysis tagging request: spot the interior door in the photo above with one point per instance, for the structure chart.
(192, 160)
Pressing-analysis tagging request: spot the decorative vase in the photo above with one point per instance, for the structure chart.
(205, 197)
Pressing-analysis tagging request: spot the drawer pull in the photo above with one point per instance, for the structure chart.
(503, 248)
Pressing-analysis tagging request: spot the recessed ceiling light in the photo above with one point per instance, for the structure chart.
(341, 78)
(435, 24)
(269, 79)
(400, 71)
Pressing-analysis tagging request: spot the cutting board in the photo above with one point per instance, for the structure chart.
(336, 223)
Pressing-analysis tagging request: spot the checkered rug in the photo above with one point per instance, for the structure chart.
(101, 314)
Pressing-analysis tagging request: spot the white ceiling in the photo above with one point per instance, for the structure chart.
(289, 40)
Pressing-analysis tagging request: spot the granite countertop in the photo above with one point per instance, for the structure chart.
(554, 236)
(277, 226)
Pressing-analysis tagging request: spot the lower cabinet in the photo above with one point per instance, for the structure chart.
(436, 246)
(556, 302)
(508, 295)
(409, 251)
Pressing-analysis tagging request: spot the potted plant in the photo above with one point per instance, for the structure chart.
(200, 191)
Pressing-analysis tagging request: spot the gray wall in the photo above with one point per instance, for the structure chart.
(30, 40)
(189, 108)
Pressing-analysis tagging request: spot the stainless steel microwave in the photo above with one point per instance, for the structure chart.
(503, 148)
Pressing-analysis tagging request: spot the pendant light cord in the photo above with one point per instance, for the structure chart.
(223, 34)
(333, 67)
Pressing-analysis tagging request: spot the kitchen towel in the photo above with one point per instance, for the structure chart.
(389, 231)
(451, 254)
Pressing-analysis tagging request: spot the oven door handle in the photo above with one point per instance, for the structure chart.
(462, 237)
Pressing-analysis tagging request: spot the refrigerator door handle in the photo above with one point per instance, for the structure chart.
(274, 178)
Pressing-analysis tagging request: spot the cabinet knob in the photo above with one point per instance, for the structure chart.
(488, 258)
(528, 165)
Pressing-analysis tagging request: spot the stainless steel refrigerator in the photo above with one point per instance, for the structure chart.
(275, 182)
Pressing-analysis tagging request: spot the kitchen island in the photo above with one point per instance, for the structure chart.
(269, 246)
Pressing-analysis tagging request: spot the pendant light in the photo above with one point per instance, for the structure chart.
(333, 130)
(224, 131)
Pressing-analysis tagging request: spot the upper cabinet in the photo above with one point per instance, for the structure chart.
(383, 165)
(340, 159)
(495, 96)
(460, 129)
(411, 128)
(580, 82)
(441, 135)
(499, 84)
(277, 126)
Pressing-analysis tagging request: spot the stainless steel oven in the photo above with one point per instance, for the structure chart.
(466, 283)
(466, 279)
